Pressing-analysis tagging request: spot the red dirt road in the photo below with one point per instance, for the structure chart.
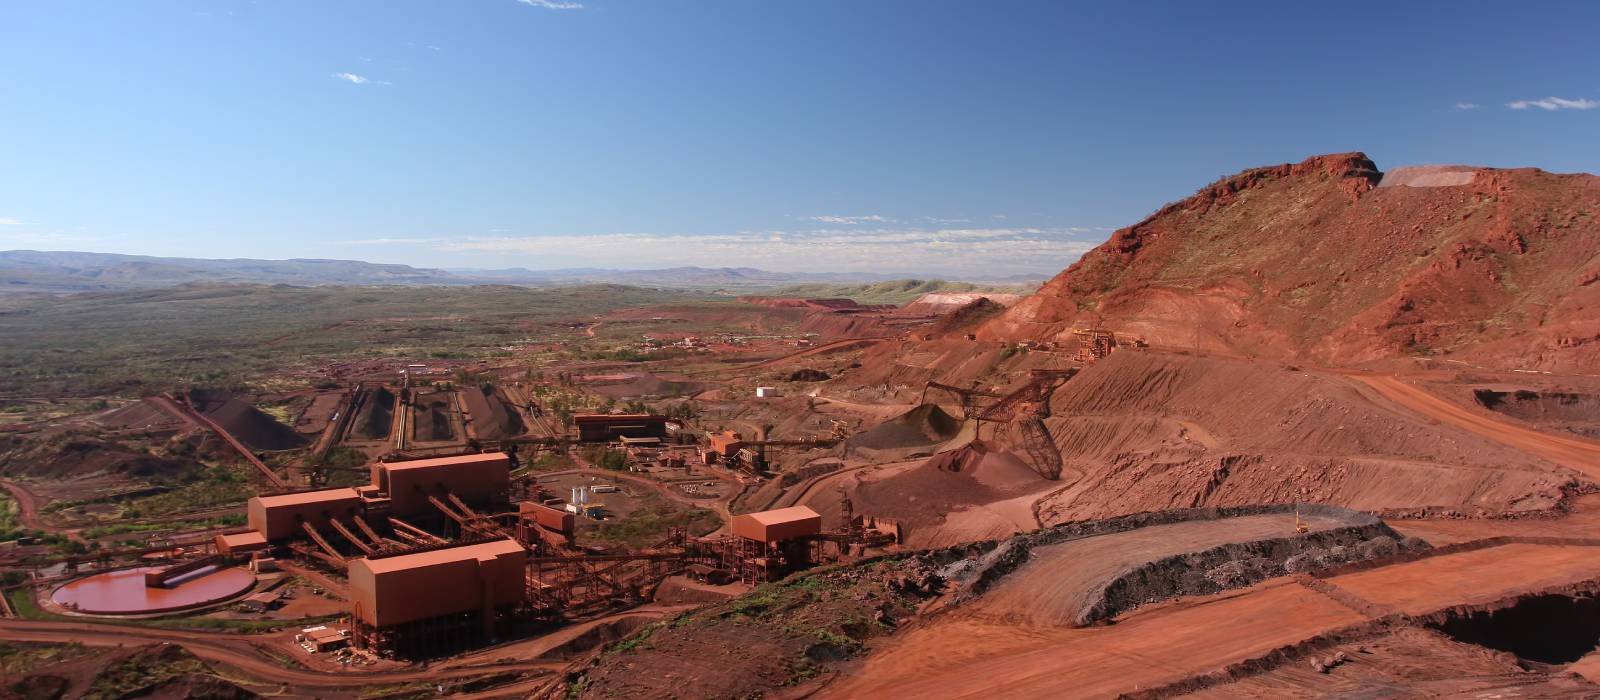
(835, 346)
(1060, 581)
(240, 653)
(973, 658)
(1470, 577)
(27, 506)
(1578, 454)
(972, 653)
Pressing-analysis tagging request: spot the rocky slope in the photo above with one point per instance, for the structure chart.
(1330, 260)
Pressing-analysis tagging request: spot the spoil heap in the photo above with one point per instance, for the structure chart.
(250, 426)
(1151, 431)
(971, 493)
(492, 417)
(922, 426)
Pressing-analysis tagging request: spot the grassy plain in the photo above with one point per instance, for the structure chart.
(134, 343)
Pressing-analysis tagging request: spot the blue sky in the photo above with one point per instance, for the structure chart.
(932, 137)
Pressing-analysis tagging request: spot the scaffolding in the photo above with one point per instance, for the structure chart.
(435, 636)
(755, 562)
(573, 581)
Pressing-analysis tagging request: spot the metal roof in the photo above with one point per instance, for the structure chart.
(482, 550)
(304, 497)
(244, 539)
(446, 461)
(791, 514)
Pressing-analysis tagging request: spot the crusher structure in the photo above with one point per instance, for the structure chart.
(429, 601)
(768, 545)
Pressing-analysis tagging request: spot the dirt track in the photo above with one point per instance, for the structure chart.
(835, 346)
(1469, 577)
(976, 658)
(240, 653)
(27, 506)
(1578, 454)
(1060, 580)
(977, 654)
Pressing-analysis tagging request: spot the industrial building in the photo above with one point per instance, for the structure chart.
(726, 444)
(605, 428)
(545, 526)
(284, 516)
(426, 601)
(475, 478)
(732, 450)
(769, 544)
(240, 543)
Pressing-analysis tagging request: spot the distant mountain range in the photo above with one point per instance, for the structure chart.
(67, 271)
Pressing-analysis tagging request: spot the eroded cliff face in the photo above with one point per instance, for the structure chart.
(1330, 261)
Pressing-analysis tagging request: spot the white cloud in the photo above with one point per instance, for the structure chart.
(1467, 105)
(9, 221)
(1551, 104)
(352, 78)
(553, 4)
(392, 241)
(851, 220)
(44, 239)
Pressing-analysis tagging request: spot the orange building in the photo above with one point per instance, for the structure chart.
(279, 517)
(421, 601)
(475, 478)
(726, 444)
(769, 544)
(773, 526)
(240, 543)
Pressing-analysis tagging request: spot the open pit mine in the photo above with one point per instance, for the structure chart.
(1318, 430)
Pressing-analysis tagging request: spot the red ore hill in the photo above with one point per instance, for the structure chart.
(1329, 260)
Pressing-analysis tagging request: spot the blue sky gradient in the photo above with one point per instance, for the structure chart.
(964, 139)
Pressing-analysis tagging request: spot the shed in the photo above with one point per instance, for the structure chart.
(240, 542)
(260, 602)
(603, 428)
(778, 525)
(547, 517)
(323, 638)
